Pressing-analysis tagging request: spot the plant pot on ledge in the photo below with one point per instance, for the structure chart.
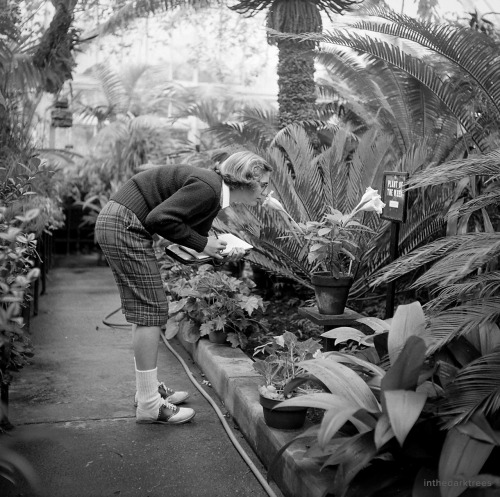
(331, 293)
(288, 418)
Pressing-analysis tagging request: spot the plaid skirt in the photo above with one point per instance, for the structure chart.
(128, 248)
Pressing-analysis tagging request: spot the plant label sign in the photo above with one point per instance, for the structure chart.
(393, 196)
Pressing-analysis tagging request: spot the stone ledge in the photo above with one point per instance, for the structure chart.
(234, 380)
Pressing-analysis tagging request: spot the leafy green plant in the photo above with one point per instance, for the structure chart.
(281, 365)
(332, 242)
(383, 427)
(211, 300)
(17, 273)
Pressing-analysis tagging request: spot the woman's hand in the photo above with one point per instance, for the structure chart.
(214, 247)
(235, 255)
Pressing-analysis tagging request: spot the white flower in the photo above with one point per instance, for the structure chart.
(370, 202)
(368, 195)
(272, 203)
(374, 205)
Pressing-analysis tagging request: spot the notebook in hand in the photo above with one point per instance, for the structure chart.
(233, 242)
(190, 256)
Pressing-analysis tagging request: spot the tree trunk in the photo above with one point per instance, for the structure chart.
(297, 89)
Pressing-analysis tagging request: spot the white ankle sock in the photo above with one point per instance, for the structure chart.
(148, 398)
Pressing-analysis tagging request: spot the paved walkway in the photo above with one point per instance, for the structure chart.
(73, 407)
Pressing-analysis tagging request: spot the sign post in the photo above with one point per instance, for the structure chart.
(395, 211)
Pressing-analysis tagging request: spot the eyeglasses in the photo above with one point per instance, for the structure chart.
(264, 185)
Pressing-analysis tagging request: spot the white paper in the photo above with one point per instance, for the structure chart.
(233, 242)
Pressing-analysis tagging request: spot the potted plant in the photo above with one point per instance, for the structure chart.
(332, 244)
(207, 301)
(283, 377)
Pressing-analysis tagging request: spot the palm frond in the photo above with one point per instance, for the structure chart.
(467, 243)
(472, 51)
(113, 88)
(117, 131)
(425, 223)
(475, 389)
(462, 261)
(293, 150)
(335, 176)
(460, 320)
(485, 164)
(266, 231)
(261, 122)
(420, 70)
(490, 198)
(484, 285)
(252, 7)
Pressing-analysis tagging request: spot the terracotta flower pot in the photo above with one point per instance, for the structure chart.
(331, 293)
(288, 418)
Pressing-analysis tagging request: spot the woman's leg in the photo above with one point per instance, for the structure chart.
(145, 342)
(128, 248)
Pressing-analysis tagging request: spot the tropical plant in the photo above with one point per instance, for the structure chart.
(462, 275)
(332, 241)
(382, 423)
(444, 46)
(210, 300)
(337, 177)
(132, 121)
(281, 363)
(425, 138)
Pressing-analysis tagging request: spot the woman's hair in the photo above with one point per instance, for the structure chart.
(242, 170)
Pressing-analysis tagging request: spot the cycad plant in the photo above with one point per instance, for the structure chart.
(306, 182)
(457, 65)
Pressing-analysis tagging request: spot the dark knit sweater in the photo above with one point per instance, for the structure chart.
(176, 202)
